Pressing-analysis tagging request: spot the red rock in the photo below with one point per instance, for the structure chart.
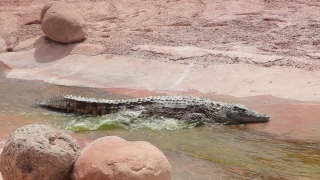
(63, 24)
(38, 152)
(113, 158)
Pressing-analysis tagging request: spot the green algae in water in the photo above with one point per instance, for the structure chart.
(126, 120)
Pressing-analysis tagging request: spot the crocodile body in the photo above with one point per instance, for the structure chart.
(191, 109)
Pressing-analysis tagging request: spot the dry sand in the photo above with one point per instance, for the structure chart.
(239, 48)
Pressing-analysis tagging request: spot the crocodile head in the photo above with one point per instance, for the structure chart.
(239, 113)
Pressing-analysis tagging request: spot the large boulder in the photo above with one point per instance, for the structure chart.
(113, 158)
(61, 23)
(38, 152)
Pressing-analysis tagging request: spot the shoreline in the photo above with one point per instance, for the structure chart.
(132, 73)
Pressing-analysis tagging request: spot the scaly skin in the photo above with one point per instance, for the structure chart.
(190, 109)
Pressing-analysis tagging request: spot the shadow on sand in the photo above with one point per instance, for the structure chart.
(47, 51)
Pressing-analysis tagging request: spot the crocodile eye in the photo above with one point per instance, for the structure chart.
(238, 108)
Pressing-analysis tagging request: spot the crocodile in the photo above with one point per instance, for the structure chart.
(190, 109)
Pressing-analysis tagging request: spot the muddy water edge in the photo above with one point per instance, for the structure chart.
(208, 152)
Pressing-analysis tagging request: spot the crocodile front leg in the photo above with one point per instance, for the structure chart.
(197, 118)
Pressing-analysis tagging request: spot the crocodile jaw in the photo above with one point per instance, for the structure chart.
(239, 114)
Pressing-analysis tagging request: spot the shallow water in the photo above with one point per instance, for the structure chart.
(230, 146)
(257, 154)
(238, 147)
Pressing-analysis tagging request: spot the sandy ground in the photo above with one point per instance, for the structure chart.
(285, 30)
(238, 48)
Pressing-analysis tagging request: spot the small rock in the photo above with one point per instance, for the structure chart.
(63, 24)
(316, 42)
(12, 41)
(113, 158)
(10, 48)
(38, 152)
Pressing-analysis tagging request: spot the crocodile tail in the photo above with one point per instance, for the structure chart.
(51, 102)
